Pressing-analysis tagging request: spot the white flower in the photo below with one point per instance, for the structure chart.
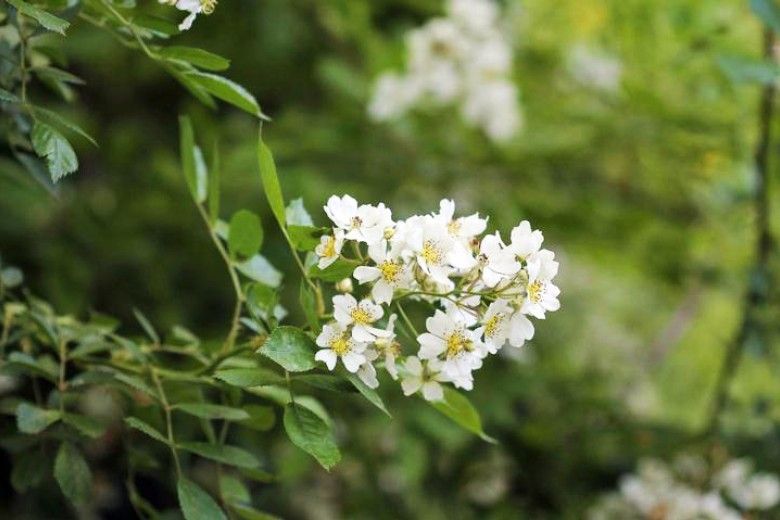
(365, 223)
(498, 262)
(389, 273)
(367, 371)
(329, 248)
(541, 295)
(388, 347)
(476, 15)
(501, 323)
(194, 7)
(393, 95)
(438, 254)
(360, 316)
(759, 492)
(594, 68)
(492, 106)
(460, 347)
(335, 342)
(525, 241)
(463, 228)
(427, 378)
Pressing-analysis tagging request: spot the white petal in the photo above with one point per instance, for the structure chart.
(432, 391)
(411, 385)
(413, 366)
(365, 273)
(382, 292)
(352, 361)
(327, 356)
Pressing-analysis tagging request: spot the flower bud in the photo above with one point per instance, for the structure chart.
(389, 232)
(345, 285)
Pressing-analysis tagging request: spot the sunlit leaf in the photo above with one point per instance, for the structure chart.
(291, 348)
(52, 146)
(245, 236)
(310, 433)
(457, 407)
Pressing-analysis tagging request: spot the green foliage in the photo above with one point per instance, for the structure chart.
(311, 434)
(246, 234)
(291, 348)
(52, 146)
(195, 503)
(73, 474)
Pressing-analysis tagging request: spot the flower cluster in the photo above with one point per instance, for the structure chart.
(482, 290)
(193, 7)
(594, 69)
(688, 490)
(460, 59)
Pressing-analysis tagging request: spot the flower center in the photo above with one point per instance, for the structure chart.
(454, 227)
(457, 342)
(339, 345)
(330, 248)
(356, 222)
(208, 6)
(491, 327)
(536, 291)
(430, 253)
(390, 271)
(361, 316)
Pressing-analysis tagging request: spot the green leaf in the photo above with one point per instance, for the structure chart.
(141, 426)
(768, 12)
(154, 25)
(329, 382)
(228, 91)
(8, 97)
(29, 469)
(248, 377)
(270, 180)
(291, 348)
(305, 238)
(136, 383)
(233, 490)
(187, 151)
(31, 419)
(201, 176)
(198, 57)
(457, 407)
(245, 235)
(259, 269)
(212, 411)
(25, 363)
(54, 119)
(147, 326)
(73, 474)
(367, 392)
(195, 503)
(261, 418)
(337, 271)
(310, 433)
(11, 277)
(85, 424)
(226, 454)
(52, 146)
(246, 512)
(47, 20)
(213, 183)
(260, 475)
(748, 70)
(309, 305)
(192, 86)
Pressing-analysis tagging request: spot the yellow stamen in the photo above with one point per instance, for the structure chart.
(339, 345)
(536, 291)
(430, 253)
(361, 316)
(453, 227)
(356, 222)
(457, 342)
(390, 271)
(329, 250)
(491, 327)
(208, 6)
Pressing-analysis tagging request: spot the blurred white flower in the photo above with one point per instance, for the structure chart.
(426, 378)
(193, 7)
(594, 69)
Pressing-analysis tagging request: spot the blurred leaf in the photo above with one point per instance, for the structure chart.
(213, 184)
(47, 20)
(7, 96)
(248, 513)
(52, 145)
(305, 238)
(297, 215)
(245, 377)
(147, 326)
(73, 474)
(310, 433)
(29, 469)
(260, 475)
(228, 91)
(330, 382)
(198, 57)
(25, 363)
(212, 411)
(369, 393)
(335, 272)
(187, 151)
(136, 383)
(85, 424)
(54, 119)
(233, 490)
(261, 418)
(201, 176)
(245, 236)
(141, 426)
(308, 303)
(270, 180)
(155, 26)
(748, 70)
(226, 454)
(11, 277)
(195, 503)
(31, 419)
(259, 269)
(192, 86)
(291, 348)
(768, 12)
(457, 407)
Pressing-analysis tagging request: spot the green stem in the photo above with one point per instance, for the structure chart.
(23, 60)
(406, 319)
(168, 420)
(62, 385)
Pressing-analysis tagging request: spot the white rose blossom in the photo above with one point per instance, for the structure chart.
(193, 7)
(482, 293)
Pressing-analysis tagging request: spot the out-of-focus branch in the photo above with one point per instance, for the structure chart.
(755, 295)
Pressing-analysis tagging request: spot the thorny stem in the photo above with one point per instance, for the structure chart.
(168, 421)
(755, 293)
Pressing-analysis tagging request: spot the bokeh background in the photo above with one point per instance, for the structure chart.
(642, 181)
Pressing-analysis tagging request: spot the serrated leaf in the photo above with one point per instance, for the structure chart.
(228, 91)
(457, 407)
(195, 503)
(248, 377)
(367, 392)
(51, 145)
(212, 411)
(73, 474)
(53, 118)
(310, 433)
(47, 20)
(245, 235)
(85, 424)
(337, 271)
(198, 57)
(141, 426)
(291, 348)
(31, 419)
(230, 455)
(270, 180)
(29, 469)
